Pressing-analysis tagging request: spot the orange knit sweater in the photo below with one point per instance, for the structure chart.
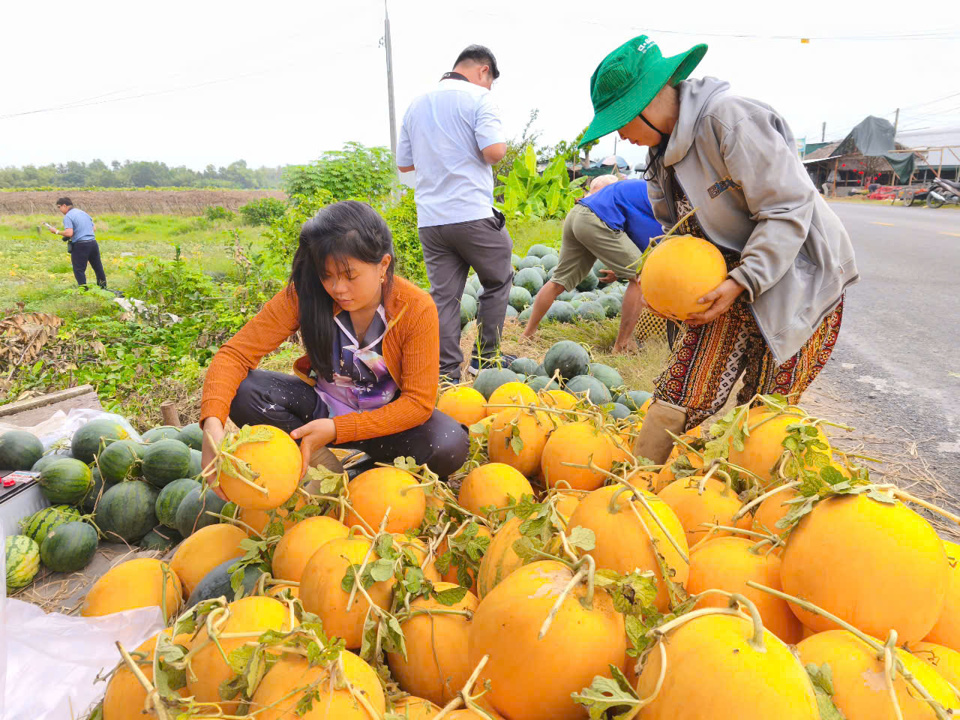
(411, 350)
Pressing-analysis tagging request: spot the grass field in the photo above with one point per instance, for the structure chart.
(36, 265)
(35, 270)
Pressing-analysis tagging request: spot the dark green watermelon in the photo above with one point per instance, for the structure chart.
(520, 298)
(549, 261)
(511, 314)
(560, 311)
(591, 310)
(120, 461)
(43, 521)
(19, 450)
(92, 498)
(528, 263)
(165, 461)
(468, 309)
(196, 464)
(524, 366)
(542, 382)
(539, 250)
(567, 295)
(216, 583)
(619, 412)
(66, 481)
(634, 399)
(567, 357)
(160, 538)
(90, 439)
(164, 432)
(168, 501)
(192, 513)
(596, 390)
(69, 547)
(611, 304)
(40, 464)
(126, 511)
(589, 282)
(530, 279)
(489, 379)
(192, 436)
(607, 375)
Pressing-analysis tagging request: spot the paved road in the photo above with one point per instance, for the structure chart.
(896, 368)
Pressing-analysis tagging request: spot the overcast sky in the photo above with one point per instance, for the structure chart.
(274, 83)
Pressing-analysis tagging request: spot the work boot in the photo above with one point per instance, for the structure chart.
(653, 442)
(322, 457)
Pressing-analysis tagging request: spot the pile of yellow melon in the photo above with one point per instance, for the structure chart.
(754, 576)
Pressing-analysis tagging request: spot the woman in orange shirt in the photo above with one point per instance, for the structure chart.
(369, 378)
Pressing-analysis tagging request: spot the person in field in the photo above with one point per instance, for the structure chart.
(775, 319)
(612, 223)
(369, 378)
(452, 136)
(78, 229)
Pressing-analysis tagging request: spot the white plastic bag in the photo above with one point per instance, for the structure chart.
(61, 426)
(53, 659)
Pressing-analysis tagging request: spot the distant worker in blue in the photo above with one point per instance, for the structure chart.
(613, 225)
(78, 231)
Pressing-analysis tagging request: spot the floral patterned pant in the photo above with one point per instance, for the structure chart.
(708, 360)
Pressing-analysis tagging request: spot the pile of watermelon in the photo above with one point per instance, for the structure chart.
(106, 486)
(591, 300)
(567, 367)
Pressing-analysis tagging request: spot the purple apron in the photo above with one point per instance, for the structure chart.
(361, 381)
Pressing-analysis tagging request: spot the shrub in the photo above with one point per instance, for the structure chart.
(402, 219)
(355, 172)
(218, 212)
(263, 211)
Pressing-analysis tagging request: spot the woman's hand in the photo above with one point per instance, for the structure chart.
(608, 276)
(720, 299)
(212, 437)
(313, 436)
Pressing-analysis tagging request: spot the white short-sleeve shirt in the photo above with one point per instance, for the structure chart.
(442, 136)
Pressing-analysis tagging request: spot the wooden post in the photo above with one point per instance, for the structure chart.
(168, 411)
(836, 164)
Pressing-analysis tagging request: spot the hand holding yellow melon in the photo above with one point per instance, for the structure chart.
(678, 273)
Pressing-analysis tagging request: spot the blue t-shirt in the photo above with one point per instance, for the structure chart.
(624, 206)
(80, 223)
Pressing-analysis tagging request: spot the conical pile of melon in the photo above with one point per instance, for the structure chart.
(753, 576)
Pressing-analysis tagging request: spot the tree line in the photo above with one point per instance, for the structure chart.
(138, 174)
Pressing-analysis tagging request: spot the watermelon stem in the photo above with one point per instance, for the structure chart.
(465, 698)
(358, 572)
(757, 500)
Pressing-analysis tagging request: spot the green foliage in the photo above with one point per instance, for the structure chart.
(527, 193)
(355, 172)
(137, 174)
(218, 212)
(402, 219)
(263, 211)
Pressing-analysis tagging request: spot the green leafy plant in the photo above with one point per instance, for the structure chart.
(527, 193)
(356, 172)
(263, 211)
(408, 252)
(218, 212)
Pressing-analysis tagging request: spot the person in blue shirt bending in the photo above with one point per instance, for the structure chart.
(613, 225)
(78, 230)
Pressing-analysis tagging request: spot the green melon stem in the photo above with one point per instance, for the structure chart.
(878, 648)
(152, 694)
(757, 500)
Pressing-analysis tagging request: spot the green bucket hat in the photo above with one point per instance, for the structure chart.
(629, 78)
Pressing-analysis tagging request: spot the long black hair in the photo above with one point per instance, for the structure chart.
(341, 231)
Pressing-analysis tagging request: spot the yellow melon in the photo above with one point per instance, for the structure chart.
(464, 404)
(203, 551)
(492, 485)
(678, 272)
(277, 464)
(577, 444)
(133, 584)
(517, 438)
(510, 394)
(373, 491)
(300, 542)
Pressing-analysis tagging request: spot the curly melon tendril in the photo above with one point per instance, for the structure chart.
(881, 649)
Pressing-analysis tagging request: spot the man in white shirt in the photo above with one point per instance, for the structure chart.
(452, 136)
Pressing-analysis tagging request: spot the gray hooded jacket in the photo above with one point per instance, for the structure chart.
(737, 162)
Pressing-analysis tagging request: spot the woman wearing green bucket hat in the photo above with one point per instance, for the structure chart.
(775, 319)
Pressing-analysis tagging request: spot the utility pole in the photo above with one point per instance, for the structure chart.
(896, 122)
(390, 101)
(823, 132)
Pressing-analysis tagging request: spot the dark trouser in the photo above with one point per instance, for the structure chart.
(286, 402)
(82, 253)
(449, 252)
